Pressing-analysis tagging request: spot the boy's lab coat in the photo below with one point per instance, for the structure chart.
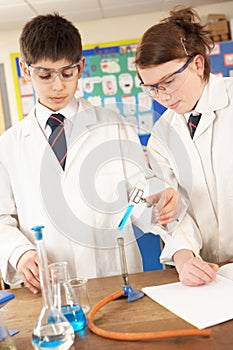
(81, 207)
(202, 170)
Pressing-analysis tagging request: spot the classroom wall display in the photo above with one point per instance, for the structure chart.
(25, 95)
(5, 121)
(221, 59)
(109, 79)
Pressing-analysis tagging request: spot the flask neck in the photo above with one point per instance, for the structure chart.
(44, 274)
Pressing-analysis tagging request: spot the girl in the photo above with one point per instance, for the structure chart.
(191, 144)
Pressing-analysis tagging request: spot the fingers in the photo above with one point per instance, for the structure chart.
(30, 282)
(196, 272)
(215, 267)
(28, 270)
(168, 205)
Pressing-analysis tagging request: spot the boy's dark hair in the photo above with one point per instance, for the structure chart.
(50, 37)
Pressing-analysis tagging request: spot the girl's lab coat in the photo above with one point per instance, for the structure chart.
(202, 170)
(80, 207)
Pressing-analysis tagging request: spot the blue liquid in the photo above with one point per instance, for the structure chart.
(125, 218)
(57, 336)
(75, 315)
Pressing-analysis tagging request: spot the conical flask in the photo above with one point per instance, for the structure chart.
(52, 331)
(64, 296)
(6, 341)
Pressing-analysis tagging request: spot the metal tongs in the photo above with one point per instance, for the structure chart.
(136, 196)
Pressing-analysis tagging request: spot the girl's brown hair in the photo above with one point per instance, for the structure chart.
(177, 36)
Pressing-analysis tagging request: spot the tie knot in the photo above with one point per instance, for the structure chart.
(193, 121)
(195, 116)
(55, 120)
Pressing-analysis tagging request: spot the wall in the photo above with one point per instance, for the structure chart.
(94, 32)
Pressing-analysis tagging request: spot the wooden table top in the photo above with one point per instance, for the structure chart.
(143, 315)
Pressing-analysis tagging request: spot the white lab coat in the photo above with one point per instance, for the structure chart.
(80, 207)
(201, 169)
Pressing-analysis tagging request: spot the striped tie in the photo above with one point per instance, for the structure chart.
(57, 138)
(193, 121)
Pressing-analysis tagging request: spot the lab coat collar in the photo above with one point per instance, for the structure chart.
(43, 113)
(84, 117)
(28, 122)
(214, 97)
(82, 121)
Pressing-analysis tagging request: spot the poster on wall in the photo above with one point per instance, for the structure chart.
(109, 79)
(221, 59)
(25, 95)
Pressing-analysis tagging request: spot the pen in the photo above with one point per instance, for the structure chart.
(189, 242)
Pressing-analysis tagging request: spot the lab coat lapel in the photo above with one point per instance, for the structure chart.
(34, 136)
(199, 180)
(201, 155)
(82, 121)
(214, 97)
(37, 148)
(205, 122)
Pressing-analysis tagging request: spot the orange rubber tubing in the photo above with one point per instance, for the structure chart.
(137, 336)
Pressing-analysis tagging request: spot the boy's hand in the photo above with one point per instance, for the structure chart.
(168, 205)
(28, 270)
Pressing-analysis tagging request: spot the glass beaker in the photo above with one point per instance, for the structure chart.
(64, 297)
(80, 288)
(52, 330)
(6, 341)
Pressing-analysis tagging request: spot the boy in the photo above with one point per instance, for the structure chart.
(71, 167)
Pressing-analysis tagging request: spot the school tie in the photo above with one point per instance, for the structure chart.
(193, 121)
(57, 138)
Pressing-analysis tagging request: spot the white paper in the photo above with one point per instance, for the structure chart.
(226, 271)
(201, 306)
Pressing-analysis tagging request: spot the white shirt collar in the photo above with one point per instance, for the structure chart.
(43, 113)
(187, 115)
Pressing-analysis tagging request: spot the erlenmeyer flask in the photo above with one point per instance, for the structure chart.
(6, 341)
(64, 296)
(52, 330)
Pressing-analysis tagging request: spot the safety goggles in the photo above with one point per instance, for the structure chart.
(48, 75)
(168, 85)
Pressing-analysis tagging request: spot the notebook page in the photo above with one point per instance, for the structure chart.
(226, 271)
(201, 306)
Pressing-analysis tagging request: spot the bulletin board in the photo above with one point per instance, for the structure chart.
(25, 96)
(109, 79)
(221, 59)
